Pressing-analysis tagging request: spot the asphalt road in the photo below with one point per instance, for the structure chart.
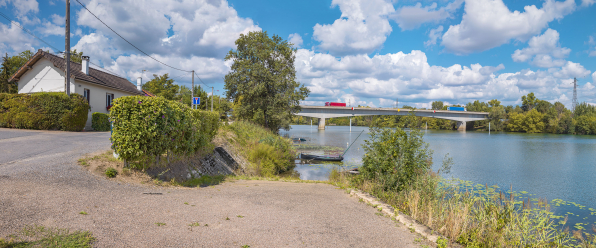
(41, 183)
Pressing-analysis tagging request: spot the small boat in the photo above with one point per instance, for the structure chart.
(298, 139)
(328, 158)
(321, 158)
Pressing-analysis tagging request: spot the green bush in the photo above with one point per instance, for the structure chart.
(148, 127)
(267, 153)
(100, 122)
(111, 172)
(44, 111)
(394, 157)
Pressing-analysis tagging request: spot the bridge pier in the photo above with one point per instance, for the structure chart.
(321, 123)
(461, 126)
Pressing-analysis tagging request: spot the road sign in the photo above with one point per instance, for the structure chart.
(196, 101)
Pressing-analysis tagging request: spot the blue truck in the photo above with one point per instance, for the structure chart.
(456, 108)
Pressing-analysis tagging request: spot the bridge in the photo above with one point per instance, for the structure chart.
(332, 112)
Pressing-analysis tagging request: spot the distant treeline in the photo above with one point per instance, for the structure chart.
(533, 116)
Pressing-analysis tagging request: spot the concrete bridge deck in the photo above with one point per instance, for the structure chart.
(323, 112)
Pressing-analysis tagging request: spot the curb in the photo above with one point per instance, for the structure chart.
(402, 218)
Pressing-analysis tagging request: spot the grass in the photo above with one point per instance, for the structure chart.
(204, 181)
(476, 215)
(83, 213)
(240, 216)
(40, 236)
(194, 224)
(160, 224)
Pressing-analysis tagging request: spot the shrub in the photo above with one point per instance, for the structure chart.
(148, 127)
(100, 122)
(267, 153)
(45, 111)
(394, 157)
(111, 172)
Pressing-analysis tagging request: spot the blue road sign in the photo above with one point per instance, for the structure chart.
(196, 100)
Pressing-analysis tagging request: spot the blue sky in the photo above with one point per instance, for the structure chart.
(366, 52)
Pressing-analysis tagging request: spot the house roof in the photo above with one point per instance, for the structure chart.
(95, 76)
(147, 93)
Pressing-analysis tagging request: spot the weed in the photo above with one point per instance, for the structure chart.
(379, 214)
(361, 200)
(442, 242)
(40, 236)
(412, 230)
(126, 171)
(245, 246)
(160, 224)
(227, 218)
(206, 224)
(83, 213)
(240, 216)
(111, 172)
(204, 181)
(186, 203)
(194, 224)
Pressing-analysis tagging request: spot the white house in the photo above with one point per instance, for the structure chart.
(45, 72)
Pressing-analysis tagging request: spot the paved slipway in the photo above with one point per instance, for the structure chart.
(41, 183)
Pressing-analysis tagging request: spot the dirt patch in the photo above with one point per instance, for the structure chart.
(97, 163)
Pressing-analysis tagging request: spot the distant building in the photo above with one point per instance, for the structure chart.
(45, 72)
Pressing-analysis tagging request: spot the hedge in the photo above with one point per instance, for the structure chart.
(44, 111)
(100, 122)
(148, 127)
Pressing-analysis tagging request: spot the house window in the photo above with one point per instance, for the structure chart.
(86, 94)
(109, 99)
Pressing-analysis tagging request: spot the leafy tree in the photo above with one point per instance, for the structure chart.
(10, 65)
(516, 122)
(543, 106)
(262, 81)
(437, 105)
(162, 86)
(76, 56)
(494, 103)
(496, 115)
(529, 102)
(395, 157)
(477, 106)
(584, 109)
(533, 122)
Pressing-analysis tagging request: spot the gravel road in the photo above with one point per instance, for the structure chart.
(41, 183)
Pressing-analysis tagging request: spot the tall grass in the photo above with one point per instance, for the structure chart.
(268, 154)
(396, 169)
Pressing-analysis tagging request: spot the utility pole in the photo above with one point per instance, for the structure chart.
(67, 47)
(192, 91)
(211, 99)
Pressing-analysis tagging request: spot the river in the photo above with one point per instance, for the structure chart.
(545, 165)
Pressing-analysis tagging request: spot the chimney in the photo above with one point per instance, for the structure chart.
(85, 65)
(139, 84)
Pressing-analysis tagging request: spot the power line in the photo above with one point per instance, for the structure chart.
(27, 31)
(129, 41)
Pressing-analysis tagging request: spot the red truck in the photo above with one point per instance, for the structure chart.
(335, 104)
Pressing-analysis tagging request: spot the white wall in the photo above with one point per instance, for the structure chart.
(97, 97)
(45, 77)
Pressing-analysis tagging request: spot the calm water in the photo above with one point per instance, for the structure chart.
(545, 165)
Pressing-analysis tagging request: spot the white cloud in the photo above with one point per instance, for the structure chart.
(410, 17)
(592, 43)
(14, 40)
(543, 51)
(594, 77)
(23, 7)
(587, 3)
(571, 70)
(295, 39)
(362, 27)
(48, 28)
(489, 23)
(206, 28)
(433, 35)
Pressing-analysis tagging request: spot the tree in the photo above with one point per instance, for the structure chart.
(533, 122)
(437, 105)
(162, 86)
(10, 65)
(76, 56)
(496, 115)
(494, 103)
(262, 81)
(529, 102)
